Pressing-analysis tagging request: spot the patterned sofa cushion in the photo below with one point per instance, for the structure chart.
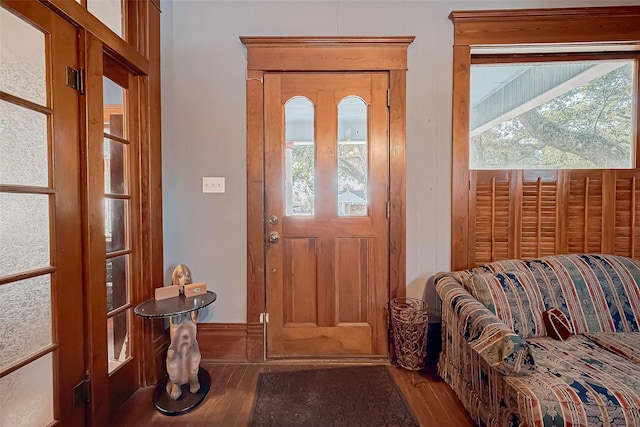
(625, 344)
(514, 297)
(597, 293)
(576, 383)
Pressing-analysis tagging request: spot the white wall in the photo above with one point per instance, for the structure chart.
(203, 124)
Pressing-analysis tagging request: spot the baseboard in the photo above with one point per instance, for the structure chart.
(255, 342)
(223, 341)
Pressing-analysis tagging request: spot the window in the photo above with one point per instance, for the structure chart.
(352, 157)
(545, 129)
(552, 115)
(299, 156)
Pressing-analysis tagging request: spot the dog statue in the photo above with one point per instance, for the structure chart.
(183, 356)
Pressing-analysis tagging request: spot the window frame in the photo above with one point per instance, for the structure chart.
(503, 30)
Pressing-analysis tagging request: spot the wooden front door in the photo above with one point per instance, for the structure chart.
(326, 179)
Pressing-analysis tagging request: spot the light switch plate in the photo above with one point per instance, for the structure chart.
(213, 184)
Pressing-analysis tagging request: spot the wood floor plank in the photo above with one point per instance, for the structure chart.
(239, 412)
(233, 386)
(215, 414)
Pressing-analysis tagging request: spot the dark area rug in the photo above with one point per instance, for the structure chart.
(345, 396)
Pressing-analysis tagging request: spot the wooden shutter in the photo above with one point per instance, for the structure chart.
(627, 213)
(533, 213)
(492, 219)
(585, 213)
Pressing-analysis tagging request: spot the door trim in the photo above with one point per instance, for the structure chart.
(320, 54)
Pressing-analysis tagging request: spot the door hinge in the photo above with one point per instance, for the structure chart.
(388, 97)
(82, 392)
(75, 79)
(388, 209)
(264, 317)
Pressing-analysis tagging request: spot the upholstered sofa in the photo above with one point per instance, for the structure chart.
(500, 356)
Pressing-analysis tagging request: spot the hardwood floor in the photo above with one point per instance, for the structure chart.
(230, 399)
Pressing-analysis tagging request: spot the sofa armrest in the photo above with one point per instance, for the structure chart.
(482, 331)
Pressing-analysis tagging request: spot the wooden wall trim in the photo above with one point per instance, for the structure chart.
(223, 341)
(152, 193)
(255, 342)
(460, 157)
(326, 53)
(256, 301)
(397, 184)
(94, 244)
(115, 45)
(561, 25)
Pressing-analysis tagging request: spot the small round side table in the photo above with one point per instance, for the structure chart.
(166, 308)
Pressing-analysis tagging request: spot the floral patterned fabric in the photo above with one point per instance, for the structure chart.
(513, 297)
(505, 379)
(625, 344)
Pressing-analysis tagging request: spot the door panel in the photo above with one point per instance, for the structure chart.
(42, 355)
(326, 173)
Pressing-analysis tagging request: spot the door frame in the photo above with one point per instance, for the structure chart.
(306, 54)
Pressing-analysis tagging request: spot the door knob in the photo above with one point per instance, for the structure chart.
(273, 220)
(274, 237)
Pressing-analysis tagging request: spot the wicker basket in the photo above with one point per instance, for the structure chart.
(409, 326)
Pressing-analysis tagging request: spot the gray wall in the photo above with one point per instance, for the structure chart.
(203, 124)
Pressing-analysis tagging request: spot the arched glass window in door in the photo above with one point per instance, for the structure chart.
(352, 157)
(299, 155)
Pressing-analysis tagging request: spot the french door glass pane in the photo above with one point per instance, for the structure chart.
(116, 282)
(115, 223)
(352, 157)
(22, 55)
(113, 97)
(23, 146)
(24, 232)
(115, 158)
(26, 395)
(299, 156)
(118, 339)
(26, 320)
(109, 12)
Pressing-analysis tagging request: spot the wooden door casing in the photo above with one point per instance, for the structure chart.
(272, 54)
(327, 280)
